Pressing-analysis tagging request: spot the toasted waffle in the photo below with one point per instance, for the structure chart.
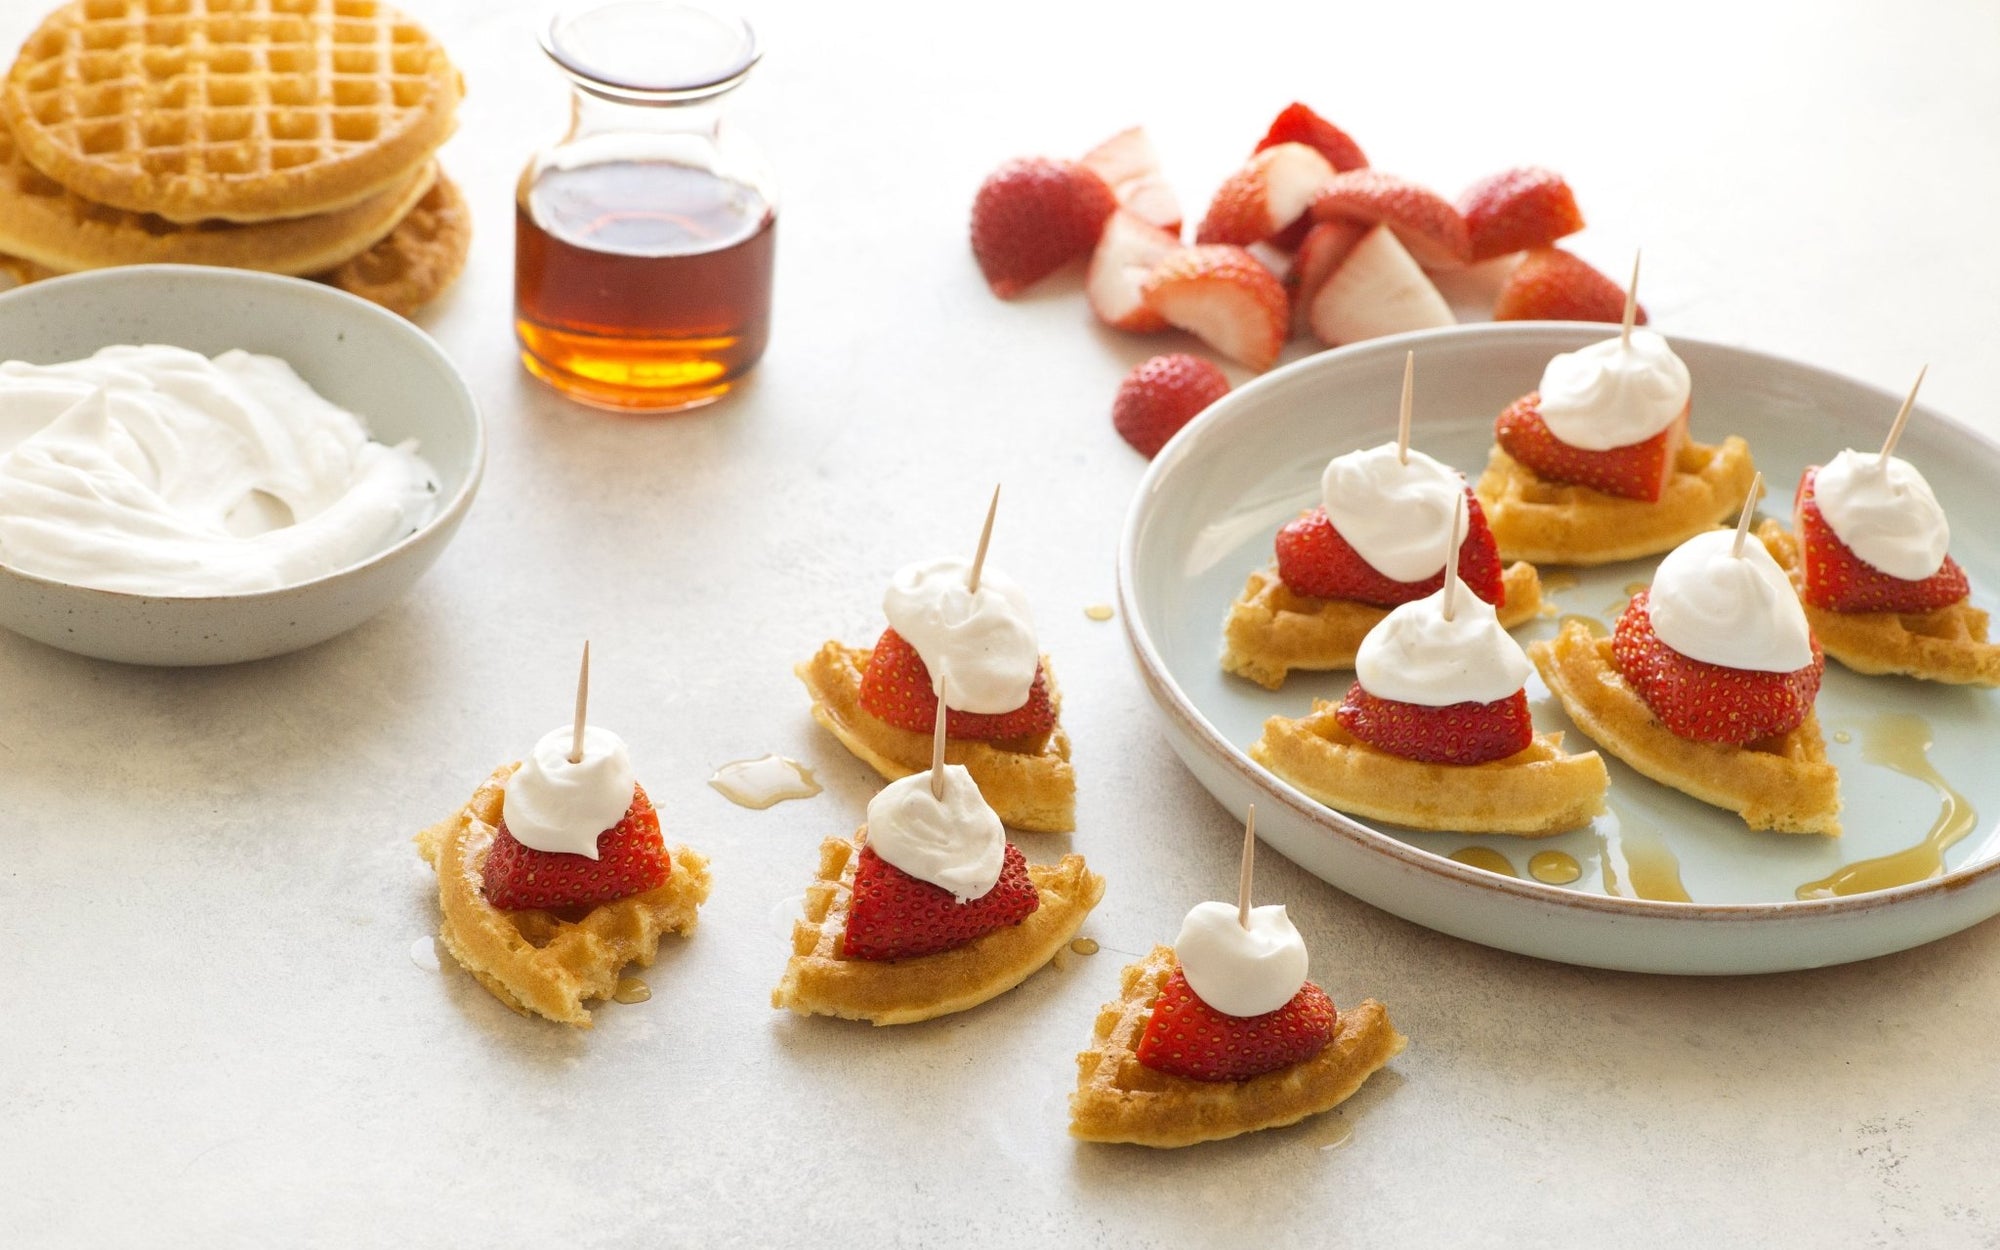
(1272, 630)
(1119, 1099)
(418, 260)
(1557, 523)
(535, 961)
(1028, 782)
(820, 981)
(1782, 783)
(1537, 791)
(1945, 645)
(243, 110)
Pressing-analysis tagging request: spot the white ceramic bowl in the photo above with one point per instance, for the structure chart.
(367, 360)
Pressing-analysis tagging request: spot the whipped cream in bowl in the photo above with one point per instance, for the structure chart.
(956, 842)
(1415, 655)
(1886, 514)
(1614, 393)
(980, 644)
(1740, 611)
(1395, 512)
(1241, 971)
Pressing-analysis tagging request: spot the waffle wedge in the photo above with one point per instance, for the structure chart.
(820, 981)
(420, 257)
(535, 961)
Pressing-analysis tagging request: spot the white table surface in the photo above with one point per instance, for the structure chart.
(213, 1030)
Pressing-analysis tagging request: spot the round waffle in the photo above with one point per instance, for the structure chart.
(418, 259)
(243, 110)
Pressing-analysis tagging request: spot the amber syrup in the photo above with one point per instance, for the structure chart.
(643, 286)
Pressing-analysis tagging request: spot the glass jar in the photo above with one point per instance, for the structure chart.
(644, 239)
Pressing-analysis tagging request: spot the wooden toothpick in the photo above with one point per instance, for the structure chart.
(1902, 419)
(1403, 419)
(582, 703)
(1631, 303)
(937, 745)
(1249, 863)
(1749, 510)
(1451, 557)
(985, 537)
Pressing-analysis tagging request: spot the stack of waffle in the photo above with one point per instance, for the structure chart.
(292, 136)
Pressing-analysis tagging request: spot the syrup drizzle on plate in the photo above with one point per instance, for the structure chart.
(1487, 858)
(1554, 867)
(1636, 860)
(1902, 742)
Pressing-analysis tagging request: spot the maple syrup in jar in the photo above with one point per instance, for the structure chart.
(644, 240)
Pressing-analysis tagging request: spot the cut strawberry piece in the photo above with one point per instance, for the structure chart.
(1551, 285)
(1124, 259)
(1461, 733)
(893, 915)
(1375, 289)
(1187, 1037)
(1837, 580)
(1518, 209)
(1299, 124)
(897, 688)
(1423, 221)
(1129, 165)
(1224, 297)
(1638, 471)
(1268, 194)
(1314, 560)
(631, 859)
(1160, 396)
(1320, 252)
(1033, 216)
(1710, 702)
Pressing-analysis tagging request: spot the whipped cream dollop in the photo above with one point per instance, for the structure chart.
(1395, 514)
(1415, 655)
(981, 644)
(553, 805)
(1239, 971)
(1614, 393)
(1886, 515)
(955, 843)
(156, 470)
(1736, 610)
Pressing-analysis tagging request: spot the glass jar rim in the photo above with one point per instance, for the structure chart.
(586, 40)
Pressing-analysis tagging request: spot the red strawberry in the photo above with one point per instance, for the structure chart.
(631, 859)
(893, 915)
(1299, 124)
(1710, 702)
(1421, 219)
(1638, 471)
(1268, 194)
(1517, 209)
(1187, 1037)
(1314, 560)
(1321, 252)
(1839, 581)
(1124, 259)
(1033, 216)
(1160, 396)
(897, 688)
(1129, 165)
(1462, 733)
(1226, 298)
(1551, 285)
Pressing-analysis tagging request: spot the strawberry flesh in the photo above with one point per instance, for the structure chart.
(1033, 216)
(1638, 471)
(631, 859)
(1315, 561)
(1461, 733)
(1837, 580)
(893, 915)
(1706, 702)
(1188, 1038)
(897, 687)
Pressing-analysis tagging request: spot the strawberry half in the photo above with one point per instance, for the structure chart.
(1260, 200)
(1422, 220)
(631, 859)
(1314, 560)
(897, 688)
(1518, 209)
(1131, 168)
(1223, 296)
(1839, 581)
(1710, 702)
(893, 915)
(1461, 733)
(1551, 285)
(1163, 394)
(1187, 1037)
(1299, 124)
(1639, 471)
(1033, 216)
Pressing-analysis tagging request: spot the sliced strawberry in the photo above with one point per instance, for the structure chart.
(1033, 216)
(1314, 560)
(1299, 124)
(1375, 289)
(1187, 1037)
(1224, 297)
(1551, 285)
(1320, 252)
(1710, 702)
(1424, 221)
(1124, 259)
(1129, 165)
(1462, 733)
(1518, 209)
(1638, 471)
(896, 687)
(1839, 581)
(1273, 190)
(631, 859)
(1160, 396)
(893, 915)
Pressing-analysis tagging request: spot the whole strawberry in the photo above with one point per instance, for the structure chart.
(1706, 702)
(1314, 560)
(1638, 471)
(896, 687)
(893, 915)
(1033, 216)
(631, 859)
(1187, 1037)
(1163, 394)
(1839, 581)
(1461, 733)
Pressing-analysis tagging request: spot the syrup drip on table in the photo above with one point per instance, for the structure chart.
(1637, 862)
(1084, 946)
(1554, 867)
(1330, 1132)
(631, 990)
(1099, 612)
(1487, 858)
(1902, 742)
(1559, 581)
(764, 782)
